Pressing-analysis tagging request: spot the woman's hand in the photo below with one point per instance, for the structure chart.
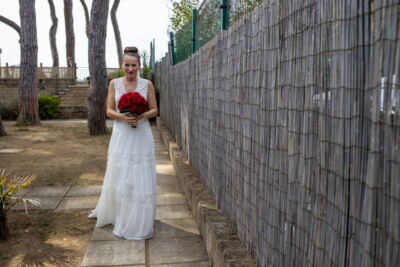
(136, 119)
(130, 119)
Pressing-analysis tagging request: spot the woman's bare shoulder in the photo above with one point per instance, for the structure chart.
(148, 82)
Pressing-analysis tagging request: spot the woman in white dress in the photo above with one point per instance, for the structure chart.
(128, 198)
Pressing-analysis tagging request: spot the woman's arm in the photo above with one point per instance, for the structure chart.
(151, 99)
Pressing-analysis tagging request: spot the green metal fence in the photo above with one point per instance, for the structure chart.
(208, 22)
(211, 17)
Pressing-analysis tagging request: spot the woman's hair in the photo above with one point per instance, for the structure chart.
(132, 51)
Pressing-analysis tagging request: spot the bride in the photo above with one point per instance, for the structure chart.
(128, 198)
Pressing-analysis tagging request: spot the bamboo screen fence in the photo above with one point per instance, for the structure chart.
(292, 119)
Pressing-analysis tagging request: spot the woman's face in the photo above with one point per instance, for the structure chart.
(130, 66)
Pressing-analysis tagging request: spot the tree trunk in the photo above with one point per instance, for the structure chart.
(69, 31)
(116, 30)
(28, 100)
(2, 130)
(97, 68)
(86, 10)
(52, 34)
(4, 232)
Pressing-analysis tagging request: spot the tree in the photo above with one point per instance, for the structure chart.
(86, 10)
(97, 68)
(28, 100)
(116, 30)
(69, 30)
(2, 130)
(182, 13)
(52, 34)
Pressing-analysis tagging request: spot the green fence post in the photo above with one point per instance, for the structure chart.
(173, 57)
(224, 14)
(194, 30)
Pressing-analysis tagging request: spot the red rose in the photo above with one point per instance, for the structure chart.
(133, 102)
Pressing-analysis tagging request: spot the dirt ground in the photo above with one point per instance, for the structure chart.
(46, 238)
(59, 154)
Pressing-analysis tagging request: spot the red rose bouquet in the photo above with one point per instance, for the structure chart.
(133, 103)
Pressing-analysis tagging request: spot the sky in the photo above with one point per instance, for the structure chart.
(140, 21)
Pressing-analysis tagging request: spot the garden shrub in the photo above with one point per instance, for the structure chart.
(49, 106)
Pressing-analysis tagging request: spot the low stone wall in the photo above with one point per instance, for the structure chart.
(74, 102)
(220, 237)
(9, 88)
(73, 97)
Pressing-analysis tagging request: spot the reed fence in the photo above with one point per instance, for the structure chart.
(292, 119)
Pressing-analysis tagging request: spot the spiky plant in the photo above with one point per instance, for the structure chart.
(10, 185)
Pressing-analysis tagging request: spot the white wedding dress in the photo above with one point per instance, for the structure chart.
(128, 198)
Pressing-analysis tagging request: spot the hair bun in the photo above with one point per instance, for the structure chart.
(131, 49)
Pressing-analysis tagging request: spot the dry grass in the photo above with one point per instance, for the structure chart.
(59, 154)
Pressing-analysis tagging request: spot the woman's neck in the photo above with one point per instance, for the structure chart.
(130, 80)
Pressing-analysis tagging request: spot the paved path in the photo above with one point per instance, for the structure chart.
(176, 242)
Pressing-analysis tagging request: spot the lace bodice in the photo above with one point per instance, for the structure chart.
(119, 88)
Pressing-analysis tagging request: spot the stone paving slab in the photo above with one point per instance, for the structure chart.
(175, 228)
(162, 161)
(166, 179)
(176, 241)
(105, 234)
(162, 152)
(171, 199)
(48, 191)
(187, 264)
(46, 203)
(80, 191)
(173, 212)
(86, 202)
(169, 188)
(165, 169)
(24, 191)
(177, 250)
(123, 252)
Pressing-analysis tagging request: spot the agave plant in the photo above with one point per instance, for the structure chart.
(10, 185)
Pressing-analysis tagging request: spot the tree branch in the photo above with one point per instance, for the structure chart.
(86, 10)
(116, 30)
(11, 23)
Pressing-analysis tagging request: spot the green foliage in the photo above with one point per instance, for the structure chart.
(115, 74)
(182, 13)
(245, 6)
(49, 106)
(147, 73)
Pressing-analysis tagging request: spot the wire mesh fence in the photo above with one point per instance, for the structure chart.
(292, 118)
(208, 23)
(183, 43)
